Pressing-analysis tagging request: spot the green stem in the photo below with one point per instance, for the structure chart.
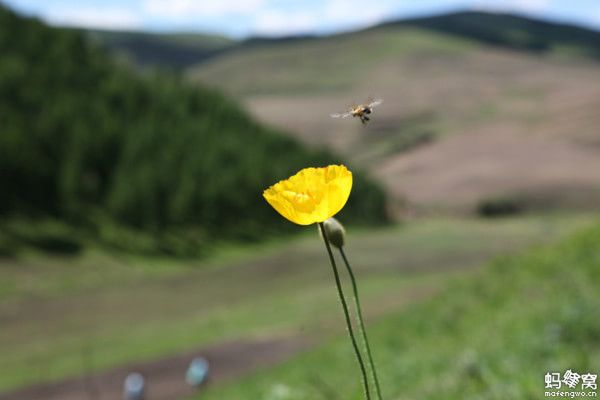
(361, 324)
(346, 313)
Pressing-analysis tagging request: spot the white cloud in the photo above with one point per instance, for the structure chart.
(274, 17)
(354, 12)
(273, 22)
(596, 17)
(329, 16)
(107, 18)
(200, 8)
(511, 5)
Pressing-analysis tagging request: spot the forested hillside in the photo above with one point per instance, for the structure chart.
(93, 144)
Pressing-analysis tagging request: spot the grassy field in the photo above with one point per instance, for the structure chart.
(493, 334)
(59, 314)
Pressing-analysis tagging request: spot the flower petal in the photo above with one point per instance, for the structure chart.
(312, 195)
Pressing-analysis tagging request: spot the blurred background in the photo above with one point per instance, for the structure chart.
(136, 138)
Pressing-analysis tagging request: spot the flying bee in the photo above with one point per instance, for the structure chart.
(361, 111)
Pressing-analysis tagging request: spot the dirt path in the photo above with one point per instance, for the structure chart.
(165, 378)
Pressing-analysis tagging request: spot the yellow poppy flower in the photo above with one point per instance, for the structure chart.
(312, 195)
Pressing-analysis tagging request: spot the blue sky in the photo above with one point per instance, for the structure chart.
(240, 18)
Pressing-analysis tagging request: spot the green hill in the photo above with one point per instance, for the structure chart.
(170, 50)
(94, 145)
(507, 30)
(514, 32)
(503, 30)
(321, 65)
(305, 64)
(493, 335)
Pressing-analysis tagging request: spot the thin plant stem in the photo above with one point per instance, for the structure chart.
(361, 324)
(346, 313)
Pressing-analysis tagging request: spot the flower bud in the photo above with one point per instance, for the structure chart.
(335, 232)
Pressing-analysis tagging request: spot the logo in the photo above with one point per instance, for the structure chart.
(570, 384)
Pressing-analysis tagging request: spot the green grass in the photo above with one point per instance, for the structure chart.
(56, 311)
(492, 334)
(325, 65)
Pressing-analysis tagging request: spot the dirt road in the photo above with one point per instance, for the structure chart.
(165, 377)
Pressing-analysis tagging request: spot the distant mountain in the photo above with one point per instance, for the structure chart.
(177, 50)
(180, 51)
(512, 31)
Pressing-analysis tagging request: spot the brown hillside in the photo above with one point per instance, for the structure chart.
(461, 122)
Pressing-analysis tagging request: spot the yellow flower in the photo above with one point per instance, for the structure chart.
(312, 195)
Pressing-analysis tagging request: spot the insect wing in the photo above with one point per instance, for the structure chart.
(375, 103)
(338, 115)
